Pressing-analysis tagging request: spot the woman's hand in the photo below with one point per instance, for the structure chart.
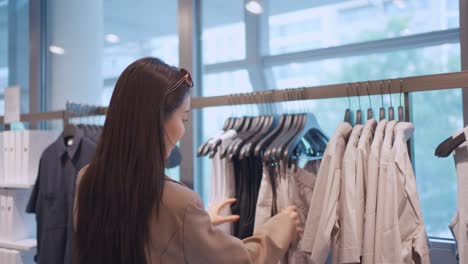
(215, 213)
(291, 211)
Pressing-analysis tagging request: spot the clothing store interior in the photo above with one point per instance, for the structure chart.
(354, 112)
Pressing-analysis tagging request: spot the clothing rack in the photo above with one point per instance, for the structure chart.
(74, 110)
(378, 87)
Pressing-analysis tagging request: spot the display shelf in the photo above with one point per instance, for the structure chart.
(22, 245)
(16, 185)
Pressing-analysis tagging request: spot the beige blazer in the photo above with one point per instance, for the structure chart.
(183, 233)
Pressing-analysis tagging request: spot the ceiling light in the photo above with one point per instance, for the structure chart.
(112, 38)
(56, 50)
(400, 4)
(254, 7)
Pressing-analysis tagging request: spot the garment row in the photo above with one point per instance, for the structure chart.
(358, 200)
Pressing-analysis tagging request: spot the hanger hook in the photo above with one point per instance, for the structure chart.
(358, 86)
(368, 94)
(347, 93)
(381, 92)
(401, 90)
(390, 92)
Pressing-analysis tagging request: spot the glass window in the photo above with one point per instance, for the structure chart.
(403, 63)
(14, 49)
(99, 40)
(3, 46)
(303, 25)
(223, 36)
(436, 177)
(226, 83)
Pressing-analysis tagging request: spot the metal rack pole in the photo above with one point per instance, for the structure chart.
(412, 84)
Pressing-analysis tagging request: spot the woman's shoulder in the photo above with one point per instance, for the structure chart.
(178, 196)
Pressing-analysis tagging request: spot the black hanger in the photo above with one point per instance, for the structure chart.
(348, 118)
(270, 137)
(370, 113)
(267, 125)
(306, 131)
(209, 146)
(449, 145)
(254, 130)
(249, 147)
(382, 109)
(312, 130)
(401, 112)
(391, 111)
(288, 124)
(358, 112)
(296, 128)
(250, 126)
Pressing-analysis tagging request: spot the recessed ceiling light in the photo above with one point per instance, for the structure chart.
(56, 50)
(401, 4)
(112, 38)
(254, 7)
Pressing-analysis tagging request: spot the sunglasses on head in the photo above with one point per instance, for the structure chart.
(186, 78)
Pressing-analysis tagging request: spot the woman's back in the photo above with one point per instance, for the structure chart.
(183, 233)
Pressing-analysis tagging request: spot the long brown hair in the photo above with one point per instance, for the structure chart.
(123, 186)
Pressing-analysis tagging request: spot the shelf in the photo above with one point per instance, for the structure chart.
(22, 245)
(16, 186)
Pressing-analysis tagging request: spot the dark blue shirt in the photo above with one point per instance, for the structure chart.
(53, 195)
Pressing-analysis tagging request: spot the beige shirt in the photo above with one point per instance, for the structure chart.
(411, 225)
(322, 219)
(183, 233)
(349, 250)
(371, 194)
(362, 157)
(387, 236)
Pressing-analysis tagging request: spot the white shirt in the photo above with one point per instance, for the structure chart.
(323, 212)
(348, 251)
(387, 236)
(411, 224)
(371, 194)
(222, 178)
(363, 152)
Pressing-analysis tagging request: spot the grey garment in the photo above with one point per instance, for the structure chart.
(301, 188)
(293, 188)
(52, 197)
(322, 221)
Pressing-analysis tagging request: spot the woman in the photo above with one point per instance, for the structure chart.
(128, 211)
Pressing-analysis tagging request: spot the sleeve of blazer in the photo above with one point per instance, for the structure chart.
(203, 243)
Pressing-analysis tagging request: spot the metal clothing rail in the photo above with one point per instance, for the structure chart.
(73, 111)
(401, 85)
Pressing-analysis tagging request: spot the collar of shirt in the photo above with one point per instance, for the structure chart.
(403, 132)
(71, 150)
(367, 133)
